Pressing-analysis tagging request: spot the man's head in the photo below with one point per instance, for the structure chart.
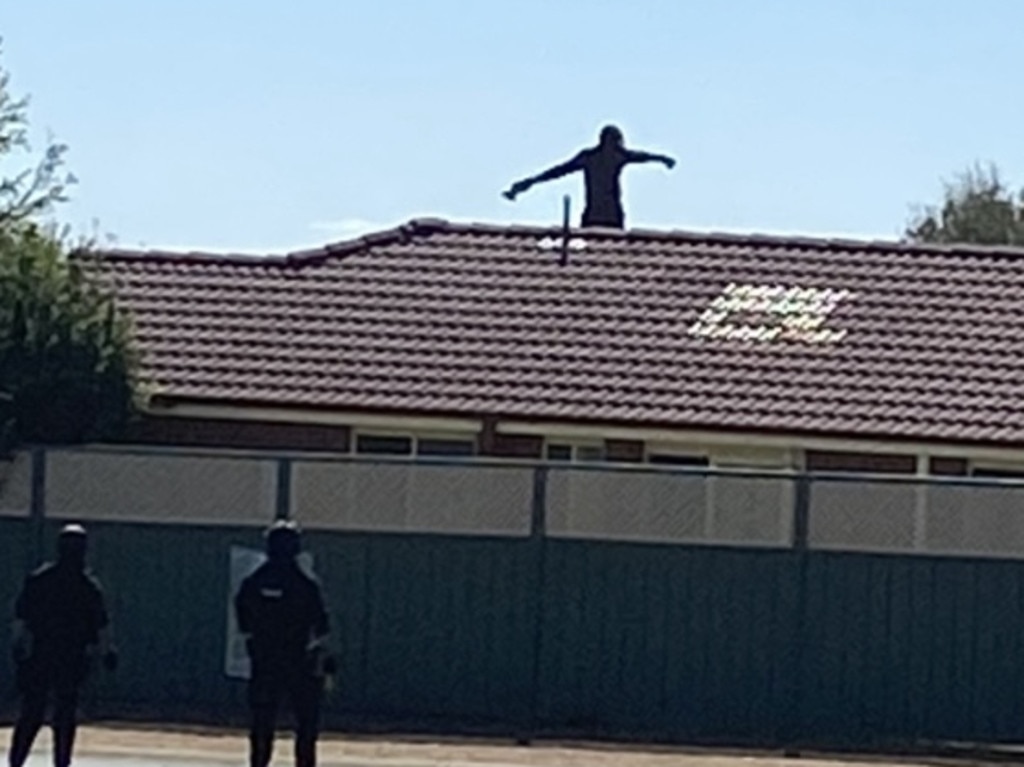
(72, 542)
(283, 540)
(611, 136)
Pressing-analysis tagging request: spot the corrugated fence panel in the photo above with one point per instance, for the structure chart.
(342, 563)
(16, 486)
(434, 629)
(684, 643)
(751, 510)
(975, 520)
(667, 507)
(626, 505)
(950, 519)
(139, 487)
(864, 515)
(900, 649)
(402, 497)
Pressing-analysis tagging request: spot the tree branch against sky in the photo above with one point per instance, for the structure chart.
(26, 193)
(978, 208)
(67, 362)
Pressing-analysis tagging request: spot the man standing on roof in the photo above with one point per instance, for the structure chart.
(601, 165)
(280, 610)
(59, 615)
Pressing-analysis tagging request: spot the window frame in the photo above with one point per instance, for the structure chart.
(574, 447)
(415, 440)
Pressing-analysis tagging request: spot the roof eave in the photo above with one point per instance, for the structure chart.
(583, 428)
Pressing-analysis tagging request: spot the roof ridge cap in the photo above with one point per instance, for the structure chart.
(183, 256)
(829, 243)
(426, 226)
(416, 227)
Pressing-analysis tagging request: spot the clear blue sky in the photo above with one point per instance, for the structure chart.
(255, 125)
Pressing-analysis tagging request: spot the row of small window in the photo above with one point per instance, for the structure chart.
(369, 444)
(596, 453)
(377, 445)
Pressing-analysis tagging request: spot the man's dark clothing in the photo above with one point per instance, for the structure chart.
(64, 611)
(601, 168)
(282, 609)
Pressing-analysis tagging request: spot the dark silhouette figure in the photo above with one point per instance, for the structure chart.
(281, 611)
(601, 165)
(59, 615)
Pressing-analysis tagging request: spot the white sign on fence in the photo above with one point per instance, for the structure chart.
(242, 563)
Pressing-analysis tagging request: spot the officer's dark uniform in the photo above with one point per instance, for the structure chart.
(281, 608)
(63, 609)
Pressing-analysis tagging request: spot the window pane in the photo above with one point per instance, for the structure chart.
(559, 452)
(445, 447)
(997, 473)
(677, 460)
(366, 443)
(589, 453)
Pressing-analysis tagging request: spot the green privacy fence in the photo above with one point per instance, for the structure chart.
(538, 599)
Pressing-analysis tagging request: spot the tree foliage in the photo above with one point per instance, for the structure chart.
(68, 368)
(978, 208)
(66, 354)
(34, 190)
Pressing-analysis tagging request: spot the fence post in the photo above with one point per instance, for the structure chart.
(802, 512)
(283, 503)
(794, 731)
(37, 505)
(537, 547)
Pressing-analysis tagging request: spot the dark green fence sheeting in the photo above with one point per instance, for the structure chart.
(529, 633)
(682, 643)
(430, 628)
(901, 649)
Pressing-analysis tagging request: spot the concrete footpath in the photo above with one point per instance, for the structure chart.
(141, 746)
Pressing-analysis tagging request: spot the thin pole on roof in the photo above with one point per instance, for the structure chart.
(565, 229)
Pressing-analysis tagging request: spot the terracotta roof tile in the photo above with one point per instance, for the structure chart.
(925, 343)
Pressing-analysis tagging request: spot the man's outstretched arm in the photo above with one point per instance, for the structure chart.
(633, 155)
(562, 169)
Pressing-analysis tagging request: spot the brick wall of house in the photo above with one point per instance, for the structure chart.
(869, 463)
(239, 435)
(882, 463)
(492, 443)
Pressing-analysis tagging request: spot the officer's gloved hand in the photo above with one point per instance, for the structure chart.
(328, 673)
(110, 660)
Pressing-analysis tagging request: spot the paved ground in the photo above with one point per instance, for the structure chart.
(123, 746)
(43, 760)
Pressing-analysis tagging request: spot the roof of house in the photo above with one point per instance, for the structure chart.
(703, 331)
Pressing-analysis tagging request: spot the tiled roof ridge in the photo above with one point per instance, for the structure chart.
(419, 227)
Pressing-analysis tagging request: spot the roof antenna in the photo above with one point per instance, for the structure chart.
(565, 230)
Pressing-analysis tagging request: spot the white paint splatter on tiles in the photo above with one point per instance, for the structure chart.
(786, 313)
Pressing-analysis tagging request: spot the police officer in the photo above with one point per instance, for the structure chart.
(59, 617)
(280, 610)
